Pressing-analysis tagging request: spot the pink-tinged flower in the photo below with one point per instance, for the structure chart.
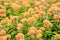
(19, 36)
(47, 23)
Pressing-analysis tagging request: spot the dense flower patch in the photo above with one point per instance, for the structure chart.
(29, 19)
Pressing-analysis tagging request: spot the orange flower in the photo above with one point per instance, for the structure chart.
(25, 14)
(31, 30)
(13, 18)
(47, 23)
(24, 20)
(31, 10)
(41, 7)
(3, 38)
(2, 11)
(15, 6)
(19, 36)
(49, 14)
(42, 28)
(25, 3)
(58, 36)
(3, 15)
(19, 26)
(58, 4)
(31, 20)
(37, 3)
(56, 16)
(42, 13)
(2, 32)
(39, 36)
(36, 16)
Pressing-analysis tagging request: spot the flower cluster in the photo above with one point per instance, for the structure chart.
(29, 19)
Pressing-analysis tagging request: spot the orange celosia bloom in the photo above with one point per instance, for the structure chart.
(37, 3)
(42, 28)
(2, 32)
(25, 14)
(49, 14)
(58, 4)
(36, 16)
(31, 10)
(42, 13)
(13, 18)
(15, 6)
(31, 20)
(19, 36)
(3, 38)
(31, 30)
(2, 10)
(25, 3)
(56, 16)
(47, 23)
(58, 36)
(19, 26)
(41, 7)
(39, 36)
(24, 20)
(3, 15)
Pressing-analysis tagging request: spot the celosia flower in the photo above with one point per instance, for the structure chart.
(58, 36)
(31, 10)
(39, 36)
(24, 3)
(2, 32)
(23, 20)
(42, 29)
(3, 38)
(56, 16)
(15, 6)
(47, 23)
(19, 26)
(25, 14)
(19, 36)
(12, 18)
(31, 20)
